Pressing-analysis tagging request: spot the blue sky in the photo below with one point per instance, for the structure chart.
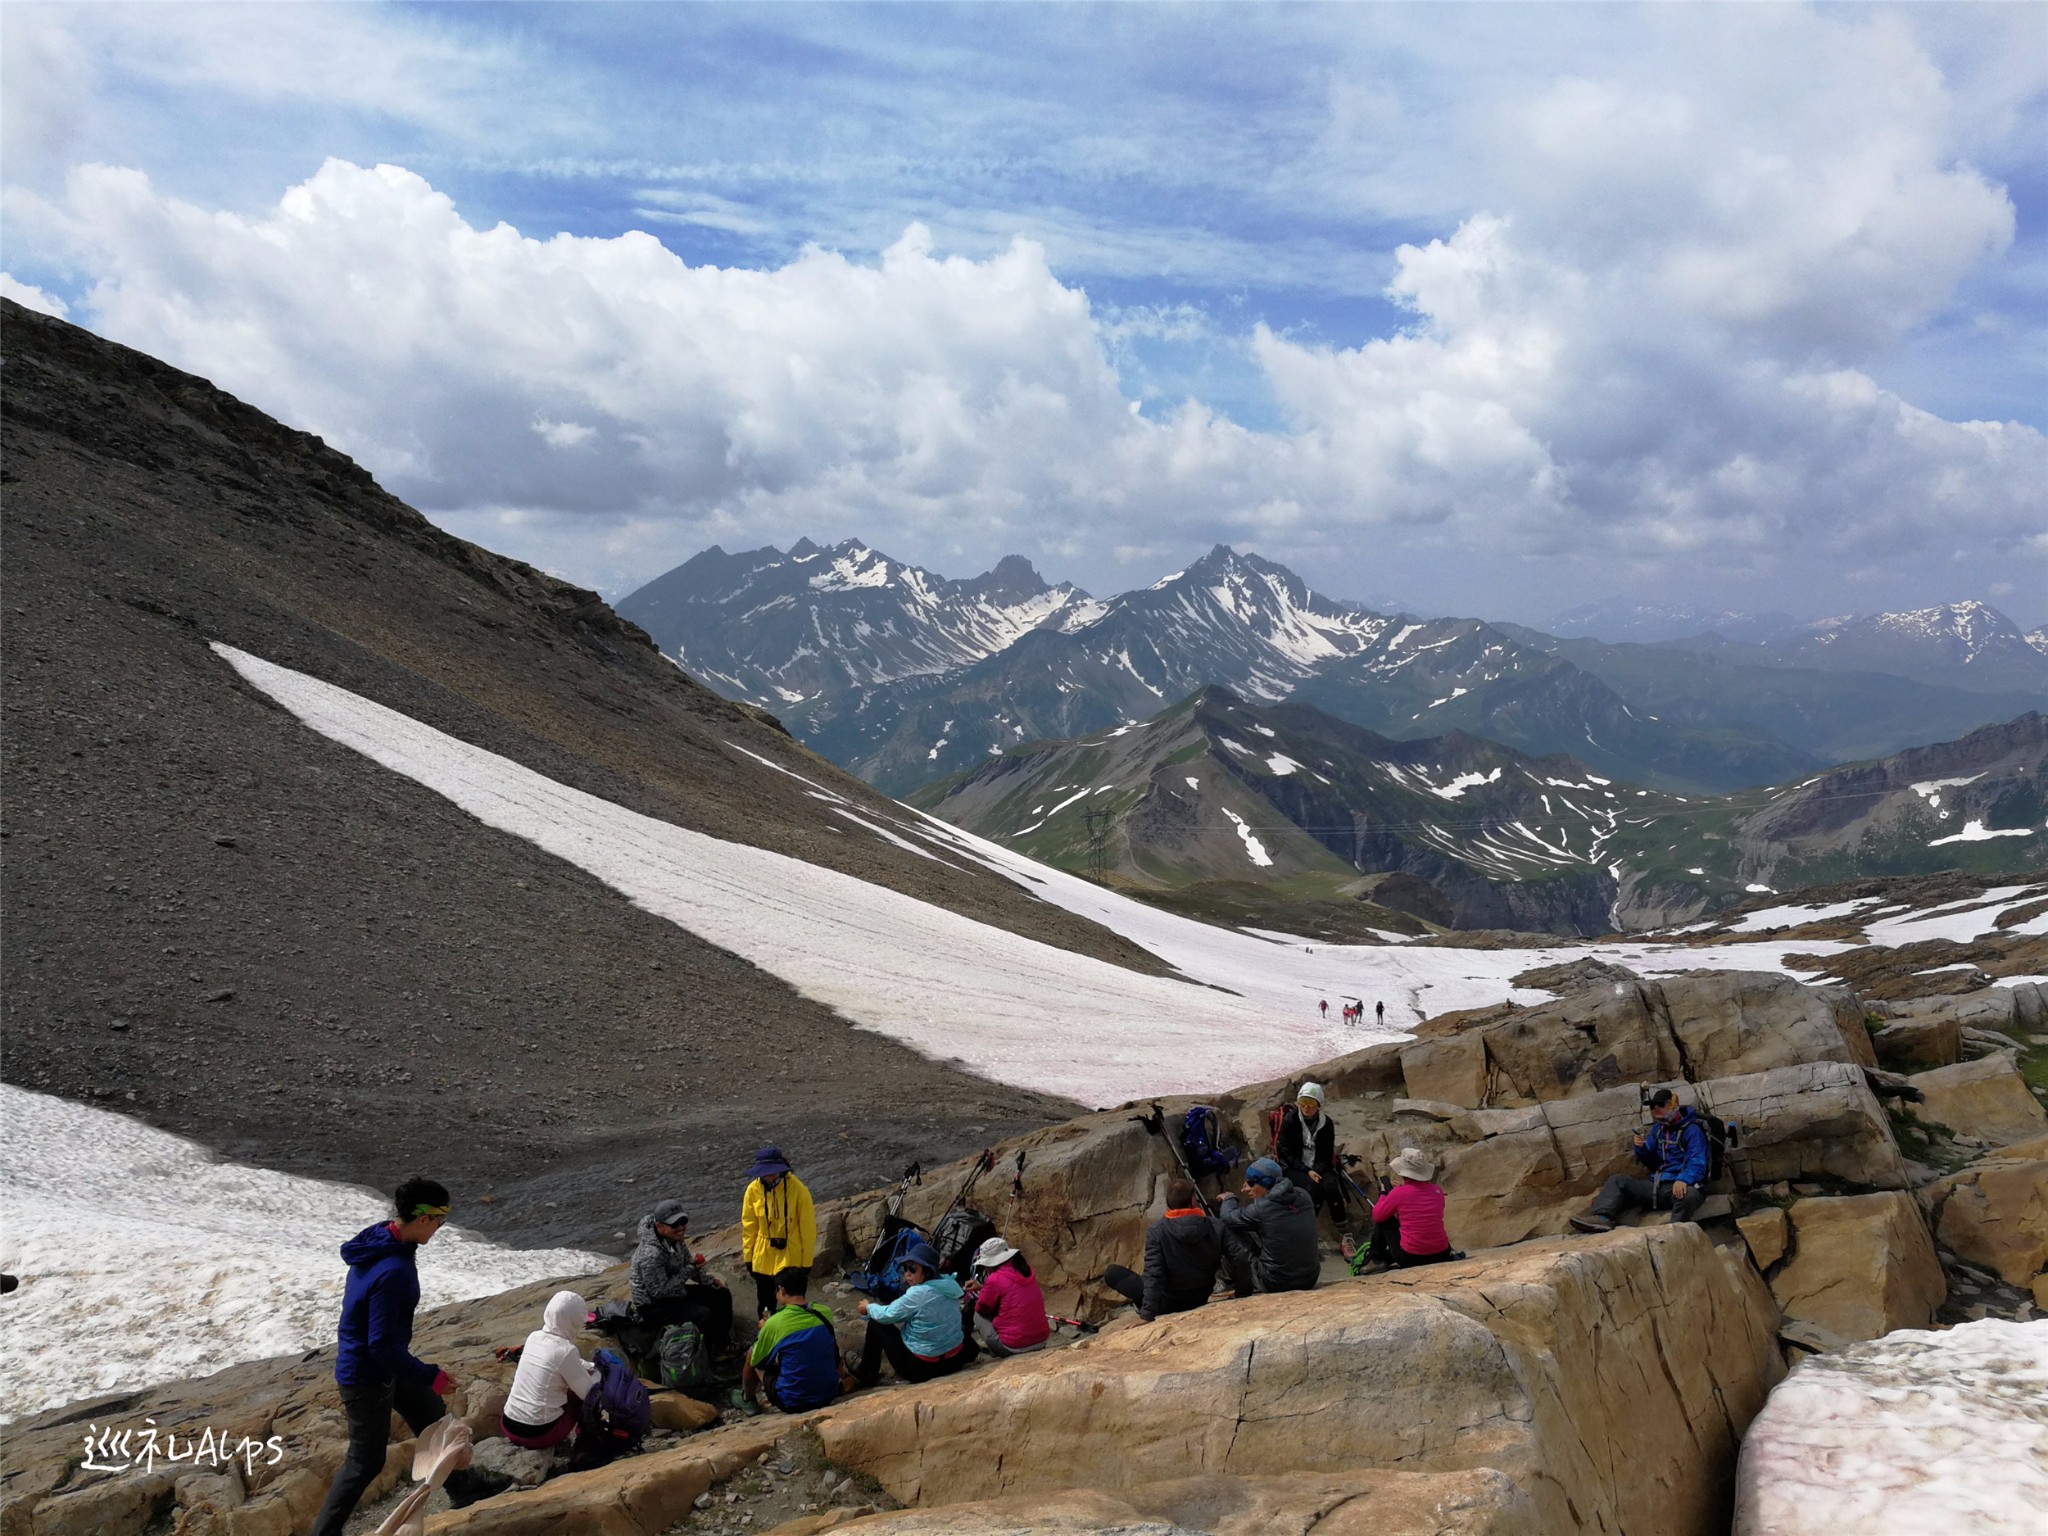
(1487, 309)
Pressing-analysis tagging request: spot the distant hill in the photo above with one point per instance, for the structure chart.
(1283, 815)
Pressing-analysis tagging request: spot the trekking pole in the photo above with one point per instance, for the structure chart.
(982, 1164)
(914, 1174)
(1017, 1183)
(1156, 1124)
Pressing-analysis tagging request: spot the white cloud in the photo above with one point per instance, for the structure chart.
(31, 297)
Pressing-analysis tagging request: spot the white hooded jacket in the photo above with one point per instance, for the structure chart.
(550, 1369)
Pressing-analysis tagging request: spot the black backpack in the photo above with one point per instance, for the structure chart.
(1721, 1135)
(959, 1233)
(685, 1359)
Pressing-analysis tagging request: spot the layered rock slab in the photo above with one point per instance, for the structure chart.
(1607, 1379)
(1860, 1266)
(1995, 1212)
(1986, 1098)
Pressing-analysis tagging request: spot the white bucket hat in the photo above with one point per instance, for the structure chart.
(993, 1251)
(1412, 1163)
(1311, 1091)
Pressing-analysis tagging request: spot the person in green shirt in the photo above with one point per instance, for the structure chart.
(795, 1359)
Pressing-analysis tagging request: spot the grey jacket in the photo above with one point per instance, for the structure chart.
(1182, 1254)
(661, 1269)
(1280, 1226)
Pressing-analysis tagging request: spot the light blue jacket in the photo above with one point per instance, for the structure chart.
(928, 1314)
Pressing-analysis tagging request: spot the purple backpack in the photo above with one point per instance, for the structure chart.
(617, 1410)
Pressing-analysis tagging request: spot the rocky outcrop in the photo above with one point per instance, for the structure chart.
(1860, 1266)
(1482, 1363)
(1371, 1503)
(1986, 1098)
(1994, 1213)
(1913, 1045)
(1609, 1031)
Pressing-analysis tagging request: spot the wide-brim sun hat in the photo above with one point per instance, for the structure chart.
(1413, 1163)
(992, 1252)
(767, 1161)
(923, 1255)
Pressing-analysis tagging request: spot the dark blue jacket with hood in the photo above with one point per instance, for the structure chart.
(376, 1312)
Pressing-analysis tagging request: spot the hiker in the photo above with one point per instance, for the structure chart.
(1306, 1150)
(1408, 1220)
(374, 1365)
(669, 1283)
(1325, 1005)
(778, 1226)
(546, 1400)
(920, 1332)
(1675, 1152)
(1184, 1249)
(1279, 1225)
(794, 1363)
(1009, 1308)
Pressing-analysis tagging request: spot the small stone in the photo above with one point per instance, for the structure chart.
(703, 1501)
(224, 842)
(224, 995)
(118, 1025)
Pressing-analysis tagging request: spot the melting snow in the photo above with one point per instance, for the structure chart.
(1974, 832)
(1255, 849)
(1464, 781)
(1916, 1431)
(144, 1258)
(1930, 789)
(1282, 764)
(1194, 783)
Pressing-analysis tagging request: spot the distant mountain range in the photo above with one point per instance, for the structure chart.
(907, 677)
(1284, 816)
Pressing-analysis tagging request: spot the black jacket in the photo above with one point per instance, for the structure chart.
(1300, 1161)
(1281, 1224)
(1182, 1254)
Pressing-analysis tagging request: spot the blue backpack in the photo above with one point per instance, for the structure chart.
(617, 1411)
(1198, 1143)
(883, 1278)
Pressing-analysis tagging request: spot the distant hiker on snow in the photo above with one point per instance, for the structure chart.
(794, 1363)
(1408, 1220)
(1379, 1011)
(1183, 1251)
(778, 1226)
(920, 1332)
(374, 1365)
(1675, 1151)
(669, 1283)
(1325, 1006)
(1279, 1225)
(1306, 1150)
(553, 1378)
(1009, 1308)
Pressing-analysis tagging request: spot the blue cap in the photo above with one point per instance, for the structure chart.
(924, 1254)
(1265, 1171)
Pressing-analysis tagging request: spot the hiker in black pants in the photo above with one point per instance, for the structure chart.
(922, 1333)
(1307, 1154)
(1379, 1012)
(670, 1286)
(1675, 1153)
(374, 1365)
(1278, 1225)
(1183, 1251)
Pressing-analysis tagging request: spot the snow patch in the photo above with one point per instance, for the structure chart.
(1464, 781)
(1282, 765)
(1975, 832)
(1253, 848)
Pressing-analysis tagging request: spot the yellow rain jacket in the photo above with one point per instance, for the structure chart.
(784, 1213)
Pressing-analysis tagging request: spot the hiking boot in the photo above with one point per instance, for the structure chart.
(1348, 1246)
(1593, 1221)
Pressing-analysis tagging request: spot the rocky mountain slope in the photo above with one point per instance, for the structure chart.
(1237, 806)
(236, 929)
(1967, 645)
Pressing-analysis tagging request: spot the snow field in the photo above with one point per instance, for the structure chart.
(143, 1258)
(1915, 1432)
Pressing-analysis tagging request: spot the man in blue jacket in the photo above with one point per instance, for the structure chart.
(374, 1365)
(1675, 1152)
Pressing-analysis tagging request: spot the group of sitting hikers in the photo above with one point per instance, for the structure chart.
(1264, 1236)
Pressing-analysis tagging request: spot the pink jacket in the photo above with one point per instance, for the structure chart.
(1421, 1209)
(1016, 1306)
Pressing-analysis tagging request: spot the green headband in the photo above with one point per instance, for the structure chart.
(427, 1210)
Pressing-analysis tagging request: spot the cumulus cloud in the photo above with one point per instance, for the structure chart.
(31, 297)
(1653, 332)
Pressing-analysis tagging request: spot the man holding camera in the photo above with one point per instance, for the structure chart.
(1675, 1151)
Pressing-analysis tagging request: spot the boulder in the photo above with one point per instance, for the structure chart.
(1452, 1070)
(1368, 1503)
(1509, 1174)
(674, 1411)
(1986, 1098)
(1912, 1432)
(1995, 1212)
(1608, 1379)
(1768, 1234)
(1860, 1265)
(1736, 1022)
(1912, 1045)
(1993, 1008)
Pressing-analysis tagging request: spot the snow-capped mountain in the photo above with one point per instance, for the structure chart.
(1284, 817)
(1618, 619)
(786, 629)
(2038, 639)
(1968, 645)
